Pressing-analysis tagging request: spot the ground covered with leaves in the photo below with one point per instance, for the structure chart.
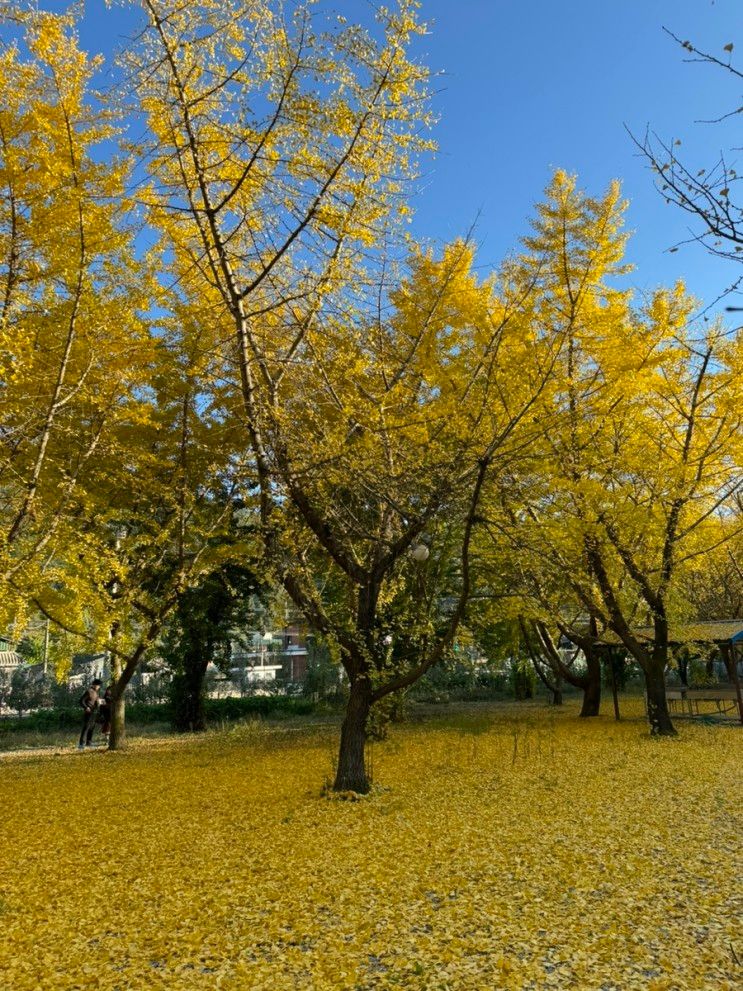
(504, 848)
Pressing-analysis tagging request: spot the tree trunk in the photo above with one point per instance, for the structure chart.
(187, 693)
(682, 659)
(523, 688)
(351, 774)
(592, 687)
(613, 675)
(658, 714)
(190, 717)
(557, 689)
(117, 734)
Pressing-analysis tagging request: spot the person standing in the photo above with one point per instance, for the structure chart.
(90, 702)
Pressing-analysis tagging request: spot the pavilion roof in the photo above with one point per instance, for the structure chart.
(714, 631)
(9, 659)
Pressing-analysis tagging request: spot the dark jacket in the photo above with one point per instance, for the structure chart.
(89, 699)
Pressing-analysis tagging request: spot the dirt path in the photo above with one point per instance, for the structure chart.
(71, 749)
(152, 742)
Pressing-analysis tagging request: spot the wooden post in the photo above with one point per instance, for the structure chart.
(610, 655)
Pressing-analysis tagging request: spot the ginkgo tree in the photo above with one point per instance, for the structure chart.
(642, 459)
(375, 397)
(531, 543)
(681, 472)
(376, 410)
(713, 585)
(115, 452)
(166, 506)
(74, 349)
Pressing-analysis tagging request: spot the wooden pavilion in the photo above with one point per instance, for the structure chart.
(724, 636)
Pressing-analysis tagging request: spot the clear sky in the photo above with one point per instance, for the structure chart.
(532, 85)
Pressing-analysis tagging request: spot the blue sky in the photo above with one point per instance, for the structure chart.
(532, 85)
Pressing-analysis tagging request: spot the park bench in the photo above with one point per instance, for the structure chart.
(685, 701)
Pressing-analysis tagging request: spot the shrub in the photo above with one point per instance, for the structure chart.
(256, 705)
(145, 714)
(460, 683)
